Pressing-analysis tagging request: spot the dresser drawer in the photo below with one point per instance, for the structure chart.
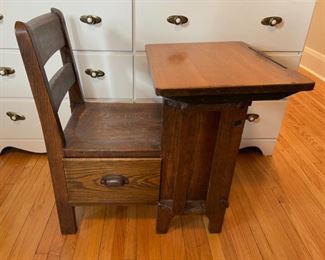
(16, 84)
(224, 21)
(86, 180)
(268, 124)
(28, 127)
(143, 85)
(114, 32)
(117, 83)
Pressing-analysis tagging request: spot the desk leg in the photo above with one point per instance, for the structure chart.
(230, 130)
(180, 129)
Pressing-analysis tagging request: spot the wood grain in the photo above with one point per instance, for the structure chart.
(84, 175)
(220, 68)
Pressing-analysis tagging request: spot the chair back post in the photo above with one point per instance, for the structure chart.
(50, 122)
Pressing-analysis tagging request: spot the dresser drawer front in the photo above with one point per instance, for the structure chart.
(268, 125)
(113, 33)
(30, 126)
(84, 180)
(224, 21)
(17, 85)
(143, 85)
(117, 83)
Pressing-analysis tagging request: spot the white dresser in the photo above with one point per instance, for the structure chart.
(111, 39)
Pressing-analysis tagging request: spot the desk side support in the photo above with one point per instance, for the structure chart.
(200, 143)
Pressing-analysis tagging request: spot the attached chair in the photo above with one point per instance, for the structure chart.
(108, 152)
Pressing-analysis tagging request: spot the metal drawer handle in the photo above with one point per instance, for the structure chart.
(1, 17)
(252, 117)
(15, 117)
(271, 21)
(114, 181)
(6, 71)
(95, 73)
(177, 19)
(90, 19)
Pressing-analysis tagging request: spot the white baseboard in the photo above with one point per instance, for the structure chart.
(313, 62)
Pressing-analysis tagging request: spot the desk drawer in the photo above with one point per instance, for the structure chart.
(224, 21)
(84, 180)
(113, 33)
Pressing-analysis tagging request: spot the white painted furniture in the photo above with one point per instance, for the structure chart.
(115, 45)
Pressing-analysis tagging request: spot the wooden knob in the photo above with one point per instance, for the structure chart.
(1, 17)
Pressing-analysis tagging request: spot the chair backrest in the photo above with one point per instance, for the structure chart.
(38, 40)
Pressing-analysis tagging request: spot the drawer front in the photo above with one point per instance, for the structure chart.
(29, 127)
(16, 84)
(114, 32)
(269, 121)
(143, 85)
(85, 180)
(224, 21)
(117, 83)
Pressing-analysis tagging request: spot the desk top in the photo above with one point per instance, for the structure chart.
(220, 68)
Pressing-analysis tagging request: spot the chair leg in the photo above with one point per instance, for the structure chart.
(164, 217)
(66, 212)
(67, 218)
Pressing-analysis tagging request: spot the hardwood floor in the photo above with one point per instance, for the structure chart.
(277, 207)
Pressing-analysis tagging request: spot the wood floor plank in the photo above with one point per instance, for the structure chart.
(25, 245)
(195, 238)
(173, 239)
(12, 222)
(90, 234)
(148, 242)
(108, 234)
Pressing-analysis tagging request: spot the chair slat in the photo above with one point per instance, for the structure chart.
(47, 35)
(61, 83)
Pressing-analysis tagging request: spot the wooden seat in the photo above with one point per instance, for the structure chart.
(108, 153)
(99, 130)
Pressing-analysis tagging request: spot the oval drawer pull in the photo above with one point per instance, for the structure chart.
(1, 17)
(15, 117)
(90, 19)
(252, 117)
(271, 21)
(6, 71)
(177, 19)
(95, 73)
(114, 181)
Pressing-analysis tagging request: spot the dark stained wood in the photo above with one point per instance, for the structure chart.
(60, 84)
(99, 130)
(191, 69)
(52, 131)
(75, 94)
(84, 177)
(47, 35)
(231, 124)
(189, 143)
(207, 88)
(94, 130)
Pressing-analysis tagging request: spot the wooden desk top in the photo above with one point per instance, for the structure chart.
(221, 68)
